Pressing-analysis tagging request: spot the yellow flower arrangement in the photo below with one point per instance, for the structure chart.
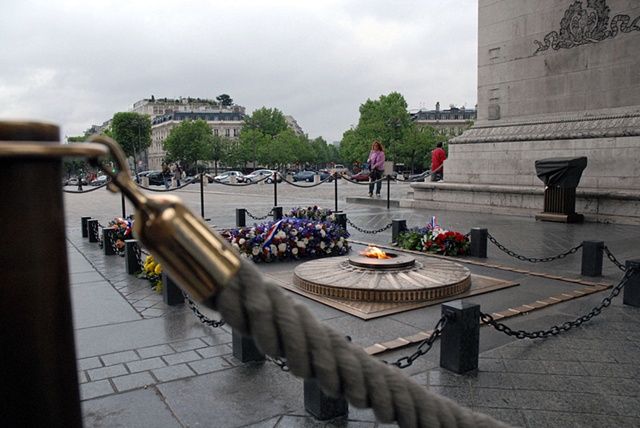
(153, 272)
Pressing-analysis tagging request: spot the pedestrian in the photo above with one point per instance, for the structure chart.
(376, 165)
(166, 175)
(177, 173)
(437, 163)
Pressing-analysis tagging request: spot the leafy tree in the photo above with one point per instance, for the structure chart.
(132, 131)
(224, 100)
(189, 142)
(218, 150)
(386, 120)
(419, 144)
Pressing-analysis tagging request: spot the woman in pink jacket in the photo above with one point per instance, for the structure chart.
(376, 165)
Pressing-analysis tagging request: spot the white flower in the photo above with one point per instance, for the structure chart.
(322, 244)
(241, 241)
(294, 251)
(282, 247)
(339, 244)
(236, 246)
(281, 235)
(294, 232)
(255, 251)
(306, 241)
(301, 244)
(323, 233)
(273, 248)
(318, 226)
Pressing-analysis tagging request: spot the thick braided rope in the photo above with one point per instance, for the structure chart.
(282, 327)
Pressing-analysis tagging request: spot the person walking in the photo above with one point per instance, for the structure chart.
(177, 172)
(376, 165)
(166, 175)
(437, 163)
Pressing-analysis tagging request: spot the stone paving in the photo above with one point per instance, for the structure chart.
(143, 363)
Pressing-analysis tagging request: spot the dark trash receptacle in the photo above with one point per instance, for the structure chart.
(561, 177)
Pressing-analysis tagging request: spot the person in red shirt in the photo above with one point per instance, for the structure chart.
(437, 163)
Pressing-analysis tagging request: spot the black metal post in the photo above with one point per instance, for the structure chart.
(478, 244)
(241, 217)
(631, 295)
(83, 223)
(341, 219)
(92, 227)
(277, 213)
(124, 211)
(460, 340)
(388, 191)
(397, 227)
(335, 180)
(202, 178)
(39, 382)
(322, 406)
(592, 253)
(244, 348)
(275, 189)
(171, 293)
(131, 261)
(108, 239)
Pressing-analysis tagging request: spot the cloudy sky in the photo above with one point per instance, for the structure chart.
(77, 62)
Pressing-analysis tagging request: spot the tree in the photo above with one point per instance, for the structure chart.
(257, 133)
(224, 100)
(385, 120)
(189, 142)
(218, 149)
(132, 131)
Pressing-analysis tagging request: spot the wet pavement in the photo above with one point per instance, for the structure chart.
(144, 363)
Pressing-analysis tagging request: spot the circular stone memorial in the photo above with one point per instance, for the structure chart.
(395, 278)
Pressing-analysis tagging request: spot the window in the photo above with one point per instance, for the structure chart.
(215, 131)
(227, 133)
(235, 132)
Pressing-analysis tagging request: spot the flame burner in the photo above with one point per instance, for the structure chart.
(399, 278)
(395, 261)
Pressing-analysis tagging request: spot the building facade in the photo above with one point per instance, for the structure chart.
(452, 122)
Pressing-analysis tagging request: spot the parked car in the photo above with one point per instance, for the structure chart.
(309, 176)
(75, 181)
(102, 179)
(259, 174)
(361, 176)
(225, 177)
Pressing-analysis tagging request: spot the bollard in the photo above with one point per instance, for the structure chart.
(241, 217)
(460, 340)
(244, 348)
(478, 244)
(592, 252)
(397, 227)
(108, 241)
(38, 372)
(92, 228)
(320, 405)
(277, 213)
(171, 293)
(85, 231)
(131, 256)
(341, 220)
(631, 295)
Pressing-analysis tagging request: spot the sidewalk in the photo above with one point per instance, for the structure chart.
(142, 363)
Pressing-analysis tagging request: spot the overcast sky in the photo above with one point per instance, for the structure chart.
(78, 62)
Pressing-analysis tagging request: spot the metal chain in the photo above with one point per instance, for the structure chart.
(279, 362)
(424, 347)
(369, 231)
(258, 218)
(531, 259)
(521, 334)
(203, 318)
(614, 260)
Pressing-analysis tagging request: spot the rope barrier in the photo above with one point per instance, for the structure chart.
(284, 328)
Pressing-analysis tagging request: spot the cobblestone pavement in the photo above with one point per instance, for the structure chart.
(143, 363)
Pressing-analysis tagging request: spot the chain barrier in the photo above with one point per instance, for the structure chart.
(614, 260)
(369, 231)
(258, 218)
(531, 259)
(541, 334)
(202, 317)
(81, 190)
(424, 347)
(279, 362)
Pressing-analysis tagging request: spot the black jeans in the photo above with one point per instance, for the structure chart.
(375, 175)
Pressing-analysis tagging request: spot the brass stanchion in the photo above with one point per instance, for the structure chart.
(39, 384)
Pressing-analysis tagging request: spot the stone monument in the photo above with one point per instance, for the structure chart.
(555, 79)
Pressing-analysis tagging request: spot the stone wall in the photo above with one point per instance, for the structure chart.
(550, 89)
